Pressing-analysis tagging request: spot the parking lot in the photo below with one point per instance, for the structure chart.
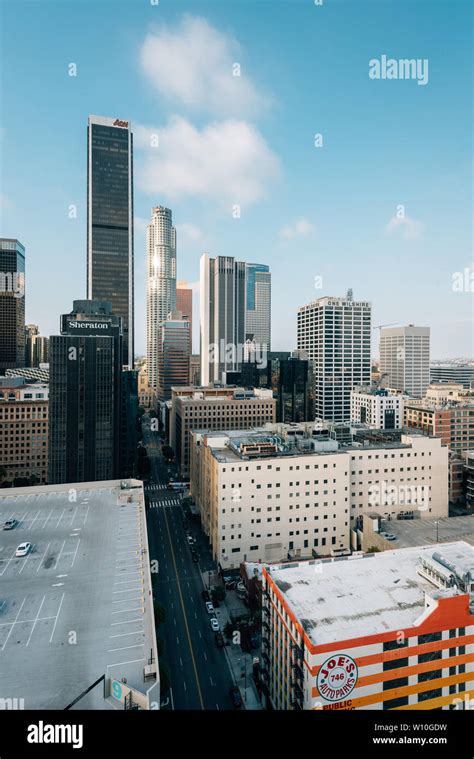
(77, 605)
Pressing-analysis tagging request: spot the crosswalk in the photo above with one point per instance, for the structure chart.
(156, 486)
(164, 504)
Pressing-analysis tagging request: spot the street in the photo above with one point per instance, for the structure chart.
(199, 672)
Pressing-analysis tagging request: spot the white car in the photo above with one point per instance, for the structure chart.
(191, 540)
(23, 549)
(215, 625)
(209, 607)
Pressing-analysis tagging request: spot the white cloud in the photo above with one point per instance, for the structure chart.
(301, 228)
(409, 228)
(192, 65)
(227, 161)
(189, 233)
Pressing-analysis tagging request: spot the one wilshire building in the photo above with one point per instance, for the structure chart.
(110, 220)
(85, 395)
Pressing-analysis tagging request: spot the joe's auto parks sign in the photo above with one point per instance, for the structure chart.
(337, 678)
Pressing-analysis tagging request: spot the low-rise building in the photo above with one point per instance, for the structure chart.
(391, 630)
(377, 408)
(453, 422)
(210, 408)
(23, 430)
(266, 498)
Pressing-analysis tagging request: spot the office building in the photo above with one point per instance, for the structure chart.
(195, 369)
(110, 264)
(215, 409)
(452, 422)
(174, 351)
(184, 302)
(462, 373)
(235, 315)
(128, 423)
(161, 283)
(273, 494)
(36, 347)
(146, 394)
(335, 333)
(85, 374)
(405, 358)
(258, 292)
(23, 431)
(384, 631)
(377, 408)
(12, 304)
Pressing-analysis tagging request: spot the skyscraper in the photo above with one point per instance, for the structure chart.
(235, 315)
(174, 353)
(161, 282)
(184, 302)
(12, 304)
(405, 357)
(36, 347)
(335, 333)
(85, 397)
(258, 307)
(110, 220)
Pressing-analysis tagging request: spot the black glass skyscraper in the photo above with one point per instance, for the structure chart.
(12, 304)
(110, 220)
(85, 395)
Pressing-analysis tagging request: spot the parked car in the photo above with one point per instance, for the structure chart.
(191, 540)
(205, 595)
(229, 583)
(388, 536)
(235, 696)
(219, 638)
(214, 624)
(10, 524)
(195, 557)
(23, 549)
(209, 607)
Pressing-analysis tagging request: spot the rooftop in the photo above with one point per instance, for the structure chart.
(78, 605)
(352, 597)
(426, 532)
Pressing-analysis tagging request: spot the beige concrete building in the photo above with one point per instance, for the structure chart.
(264, 499)
(210, 408)
(23, 429)
(146, 394)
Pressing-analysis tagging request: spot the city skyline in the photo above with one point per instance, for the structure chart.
(391, 246)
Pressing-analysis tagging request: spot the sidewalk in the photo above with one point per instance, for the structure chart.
(240, 663)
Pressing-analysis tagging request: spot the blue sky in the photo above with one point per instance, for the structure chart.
(332, 212)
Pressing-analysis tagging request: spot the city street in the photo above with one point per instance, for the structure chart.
(199, 673)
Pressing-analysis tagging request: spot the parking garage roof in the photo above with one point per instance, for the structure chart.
(78, 606)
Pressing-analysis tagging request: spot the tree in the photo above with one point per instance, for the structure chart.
(373, 549)
(218, 593)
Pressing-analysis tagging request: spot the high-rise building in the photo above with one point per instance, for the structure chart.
(36, 347)
(110, 221)
(184, 302)
(405, 358)
(234, 315)
(336, 333)
(258, 308)
(161, 283)
(12, 304)
(85, 374)
(174, 352)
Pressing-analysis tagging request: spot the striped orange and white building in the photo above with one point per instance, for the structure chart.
(393, 630)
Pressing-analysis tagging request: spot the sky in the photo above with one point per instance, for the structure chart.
(236, 92)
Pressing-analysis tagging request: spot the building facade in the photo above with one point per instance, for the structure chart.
(258, 294)
(215, 409)
(462, 373)
(36, 347)
(23, 430)
(377, 408)
(267, 495)
(161, 283)
(12, 304)
(405, 358)
(452, 423)
(336, 333)
(110, 261)
(184, 302)
(174, 351)
(341, 636)
(85, 395)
